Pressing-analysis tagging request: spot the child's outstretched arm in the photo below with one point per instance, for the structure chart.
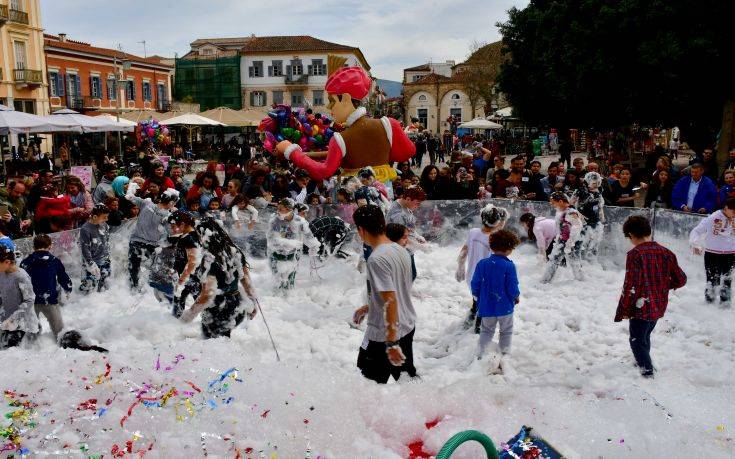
(461, 271)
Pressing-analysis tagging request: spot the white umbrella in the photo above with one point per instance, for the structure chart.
(191, 119)
(480, 123)
(122, 125)
(15, 122)
(86, 123)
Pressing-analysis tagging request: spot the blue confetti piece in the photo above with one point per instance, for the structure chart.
(151, 404)
(101, 412)
(212, 404)
(229, 400)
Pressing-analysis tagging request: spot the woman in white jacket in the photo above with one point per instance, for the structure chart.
(715, 236)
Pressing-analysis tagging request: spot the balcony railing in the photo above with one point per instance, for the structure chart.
(163, 105)
(297, 79)
(27, 76)
(3, 14)
(18, 16)
(75, 102)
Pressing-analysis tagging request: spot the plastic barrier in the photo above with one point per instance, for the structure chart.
(441, 222)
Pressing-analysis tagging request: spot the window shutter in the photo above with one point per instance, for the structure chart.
(250, 72)
(252, 99)
(265, 99)
(91, 87)
(61, 84)
(288, 70)
(270, 70)
(311, 69)
(79, 86)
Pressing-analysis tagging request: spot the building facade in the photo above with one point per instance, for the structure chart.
(272, 70)
(440, 100)
(87, 78)
(22, 68)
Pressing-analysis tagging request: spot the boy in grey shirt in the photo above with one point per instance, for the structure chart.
(387, 349)
(17, 316)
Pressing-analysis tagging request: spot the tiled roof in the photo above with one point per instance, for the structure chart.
(431, 78)
(292, 43)
(491, 53)
(221, 41)
(418, 68)
(71, 45)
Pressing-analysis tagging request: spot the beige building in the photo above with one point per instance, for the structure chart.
(23, 82)
(436, 96)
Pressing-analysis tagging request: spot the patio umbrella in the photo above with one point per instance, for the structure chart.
(15, 122)
(123, 124)
(480, 123)
(230, 117)
(191, 121)
(86, 123)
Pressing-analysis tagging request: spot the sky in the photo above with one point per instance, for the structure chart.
(392, 34)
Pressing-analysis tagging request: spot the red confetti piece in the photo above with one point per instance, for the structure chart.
(193, 386)
(265, 414)
(306, 421)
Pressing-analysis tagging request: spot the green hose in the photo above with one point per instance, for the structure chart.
(468, 435)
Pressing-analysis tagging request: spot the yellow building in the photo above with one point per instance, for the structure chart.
(23, 82)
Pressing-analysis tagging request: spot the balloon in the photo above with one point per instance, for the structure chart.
(165, 130)
(150, 132)
(307, 128)
(318, 138)
(280, 138)
(302, 142)
(315, 130)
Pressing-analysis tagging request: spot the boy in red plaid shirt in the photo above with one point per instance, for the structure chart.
(651, 270)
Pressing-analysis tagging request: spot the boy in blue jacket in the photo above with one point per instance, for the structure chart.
(495, 285)
(46, 271)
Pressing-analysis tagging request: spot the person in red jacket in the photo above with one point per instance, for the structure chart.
(51, 205)
(651, 270)
(158, 172)
(206, 187)
(364, 142)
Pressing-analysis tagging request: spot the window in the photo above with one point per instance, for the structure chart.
(26, 106)
(206, 52)
(147, 93)
(161, 94)
(111, 88)
(423, 116)
(318, 97)
(258, 99)
(256, 70)
(56, 84)
(130, 90)
(95, 87)
(276, 69)
(16, 5)
(456, 113)
(19, 47)
(297, 99)
(456, 96)
(417, 78)
(73, 85)
(423, 98)
(317, 67)
(277, 97)
(297, 68)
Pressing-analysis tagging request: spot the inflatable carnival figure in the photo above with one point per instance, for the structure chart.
(590, 203)
(364, 141)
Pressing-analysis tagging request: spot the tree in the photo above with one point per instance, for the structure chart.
(601, 63)
(477, 75)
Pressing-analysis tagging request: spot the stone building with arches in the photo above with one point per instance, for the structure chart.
(434, 96)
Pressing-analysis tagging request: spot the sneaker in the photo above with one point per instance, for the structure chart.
(648, 374)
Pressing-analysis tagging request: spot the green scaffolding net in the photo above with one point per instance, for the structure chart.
(211, 83)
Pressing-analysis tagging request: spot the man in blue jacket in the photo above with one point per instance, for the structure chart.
(695, 193)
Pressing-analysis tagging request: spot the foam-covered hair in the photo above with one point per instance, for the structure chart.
(491, 215)
(593, 178)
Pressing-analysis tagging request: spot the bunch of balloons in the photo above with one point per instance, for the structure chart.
(151, 130)
(312, 131)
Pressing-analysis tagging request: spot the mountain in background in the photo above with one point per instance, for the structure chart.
(391, 88)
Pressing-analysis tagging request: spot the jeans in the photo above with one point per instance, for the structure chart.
(718, 268)
(374, 364)
(558, 254)
(487, 331)
(640, 342)
(90, 282)
(137, 253)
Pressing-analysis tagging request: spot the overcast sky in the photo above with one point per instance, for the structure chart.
(392, 34)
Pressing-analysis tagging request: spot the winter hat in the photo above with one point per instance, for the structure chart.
(491, 215)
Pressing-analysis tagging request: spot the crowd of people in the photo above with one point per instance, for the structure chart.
(196, 237)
